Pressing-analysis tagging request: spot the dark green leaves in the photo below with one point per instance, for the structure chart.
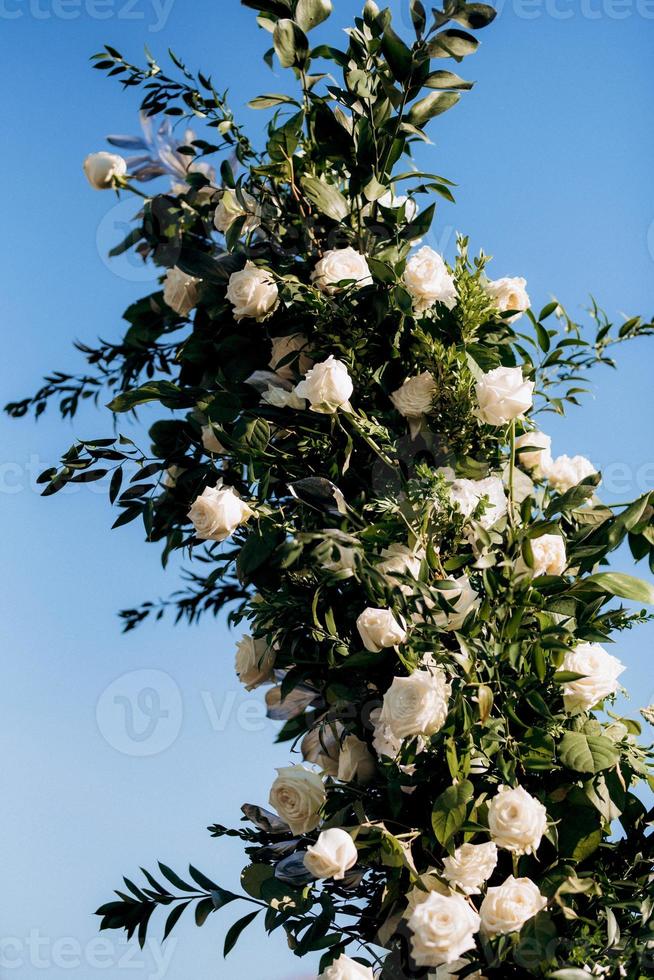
(450, 811)
(163, 391)
(625, 586)
(235, 931)
(397, 54)
(291, 44)
(453, 44)
(447, 80)
(327, 198)
(587, 753)
(475, 16)
(432, 105)
(310, 13)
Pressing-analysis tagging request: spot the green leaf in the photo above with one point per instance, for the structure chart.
(235, 931)
(326, 197)
(203, 910)
(475, 15)
(450, 810)
(625, 586)
(432, 105)
(291, 44)
(310, 13)
(587, 753)
(163, 391)
(452, 44)
(447, 79)
(397, 54)
(270, 101)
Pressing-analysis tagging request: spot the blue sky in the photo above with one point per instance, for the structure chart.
(553, 154)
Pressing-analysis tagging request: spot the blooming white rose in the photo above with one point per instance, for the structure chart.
(463, 598)
(503, 395)
(281, 398)
(356, 764)
(102, 169)
(601, 672)
(414, 399)
(332, 855)
(428, 281)
(346, 969)
(255, 661)
(252, 292)
(507, 907)
(509, 294)
(338, 265)
(230, 208)
(467, 494)
(444, 927)
(471, 866)
(399, 559)
(418, 704)
(327, 386)
(537, 458)
(379, 629)
(210, 441)
(565, 472)
(298, 795)
(549, 556)
(180, 291)
(281, 362)
(426, 884)
(516, 820)
(217, 512)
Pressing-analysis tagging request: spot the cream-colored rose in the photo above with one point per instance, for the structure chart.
(210, 441)
(516, 820)
(252, 292)
(418, 704)
(565, 472)
(332, 855)
(426, 884)
(322, 746)
(509, 294)
(601, 672)
(255, 661)
(103, 169)
(467, 495)
(414, 399)
(503, 395)
(444, 927)
(298, 795)
(346, 969)
(399, 559)
(428, 281)
(230, 209)
(283, 362)
(507, 907)
(279, 397)
(379, 629)
(327, 386)
(549, 556)
(339, 265)
(471, 866)
(217, 513)
(356, 764)
(463, 598)
(180, 291)
(537, 458)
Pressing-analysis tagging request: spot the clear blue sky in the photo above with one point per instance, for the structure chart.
(553, 153)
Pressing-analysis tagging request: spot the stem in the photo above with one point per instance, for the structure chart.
(512, 473)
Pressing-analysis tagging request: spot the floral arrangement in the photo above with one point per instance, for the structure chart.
(348, 451)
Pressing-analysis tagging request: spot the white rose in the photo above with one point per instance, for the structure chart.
(537, 458)
(471, 866)
(507, 907)
(467, 494)
(503, 395)
(516, 820)
(601, 672)
(398, 559)
(298, 795)
(254, 662)
(327, 386)
(346, 969)
(463, 598)
(444, 927)
(416, 396)
(332, 855)
(279, 397)
(102, 169)
(384, 742)
(210, 441)
(379, 629)
(356, 764)
(549, 556)
(395, 201)
(230, 208)
(252, 292)
(427, 279)
(418, 704)
(426, 884)
(509, 294)
(180, 291)
(338, 265)
(565, 472)
(282, 362)
(218, 512)
(322, 745)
